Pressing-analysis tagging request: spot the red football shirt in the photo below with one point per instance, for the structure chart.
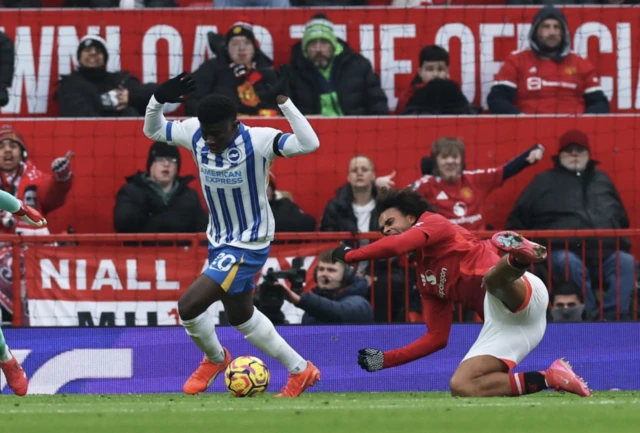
(450, 264)
(461, 202)
(548, 87)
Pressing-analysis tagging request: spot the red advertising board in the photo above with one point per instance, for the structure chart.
(157, 43)
(68, 285)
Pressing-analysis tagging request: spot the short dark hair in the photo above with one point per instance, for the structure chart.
(567, 288)
(215, 108)
(407, 201)
(433, 53)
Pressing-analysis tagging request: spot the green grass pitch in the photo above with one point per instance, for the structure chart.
(617, 412)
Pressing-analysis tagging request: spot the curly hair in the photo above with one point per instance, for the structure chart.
(215, 108)
(407, 201)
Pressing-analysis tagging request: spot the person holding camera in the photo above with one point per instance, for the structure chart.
(340, 296)
(92, 91)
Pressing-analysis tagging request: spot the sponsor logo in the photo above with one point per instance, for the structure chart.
(460, 209)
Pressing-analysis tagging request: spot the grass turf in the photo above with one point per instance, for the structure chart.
(617, 412)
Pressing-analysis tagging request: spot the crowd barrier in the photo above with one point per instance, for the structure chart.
(159, 360)
(106, 151)
(158, 43)
(136, 280)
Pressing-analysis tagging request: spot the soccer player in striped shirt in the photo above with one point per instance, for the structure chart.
(13, 372)
(233, 161)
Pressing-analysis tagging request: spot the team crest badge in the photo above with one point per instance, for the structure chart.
(571, 70)
(236, 30)
(234, 155)
(466, 193)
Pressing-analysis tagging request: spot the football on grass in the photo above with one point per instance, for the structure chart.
(246, 376)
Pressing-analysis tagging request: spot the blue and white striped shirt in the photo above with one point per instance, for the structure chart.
(234, 182)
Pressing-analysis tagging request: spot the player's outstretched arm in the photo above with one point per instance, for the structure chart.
(156, 127)
(304, 139)
(12, 205)
(438, 315)
(389, 246)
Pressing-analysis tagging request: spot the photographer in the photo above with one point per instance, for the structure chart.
(339, 297)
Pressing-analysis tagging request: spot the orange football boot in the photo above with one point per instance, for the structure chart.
(206, 373)
(561, 377)
(15, 375)
(297, 383)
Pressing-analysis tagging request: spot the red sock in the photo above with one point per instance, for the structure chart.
(527, 383)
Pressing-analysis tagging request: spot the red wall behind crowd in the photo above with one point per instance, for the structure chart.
(108, 150)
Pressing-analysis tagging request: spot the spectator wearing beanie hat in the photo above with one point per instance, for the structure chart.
(329, 78)
(240, 71)
(575, 195)
(92, 91)
(19, 177)
(159, 200)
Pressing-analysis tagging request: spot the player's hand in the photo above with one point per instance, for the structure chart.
(174, 89)
(371, 359)
(536, 154)
(62, 167)
(30, 216)
(339, 254)
(383, 182)
(281, 88)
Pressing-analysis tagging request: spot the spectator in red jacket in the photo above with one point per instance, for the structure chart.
(547, 78)
(459, 194)
(20, 178)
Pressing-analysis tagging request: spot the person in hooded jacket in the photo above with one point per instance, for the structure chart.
(547, 78)
(575, 195)
(240, 71)
(159, 200)
(92, 91)
(329, 78)
(340, 295)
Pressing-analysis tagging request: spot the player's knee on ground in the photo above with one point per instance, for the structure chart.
(461, 387)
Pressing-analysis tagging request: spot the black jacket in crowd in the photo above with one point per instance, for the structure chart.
(338, 215)
(215, 76)
(78, 93)
(139, 209)
(348, 305)
(7, 60)
(357, 86)
(290, 218)
(560, 199)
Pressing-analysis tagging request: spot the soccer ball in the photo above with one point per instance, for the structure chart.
(246, 376)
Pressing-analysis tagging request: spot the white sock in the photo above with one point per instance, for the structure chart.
(6, 356)
(202, 331)
(261, 333)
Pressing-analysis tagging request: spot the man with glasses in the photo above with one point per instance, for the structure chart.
(158, 200)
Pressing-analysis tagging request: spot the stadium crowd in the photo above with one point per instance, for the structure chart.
(328, 78)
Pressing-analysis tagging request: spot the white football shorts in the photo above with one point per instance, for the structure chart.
(512, 336)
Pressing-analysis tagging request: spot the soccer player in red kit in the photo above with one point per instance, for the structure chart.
(547, 78)
(454, 266)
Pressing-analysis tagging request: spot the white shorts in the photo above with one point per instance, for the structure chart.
(512, 336)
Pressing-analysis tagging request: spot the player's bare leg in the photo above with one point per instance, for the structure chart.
(487, 376)
(504, 280)
(260, 332)
(199, 325)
